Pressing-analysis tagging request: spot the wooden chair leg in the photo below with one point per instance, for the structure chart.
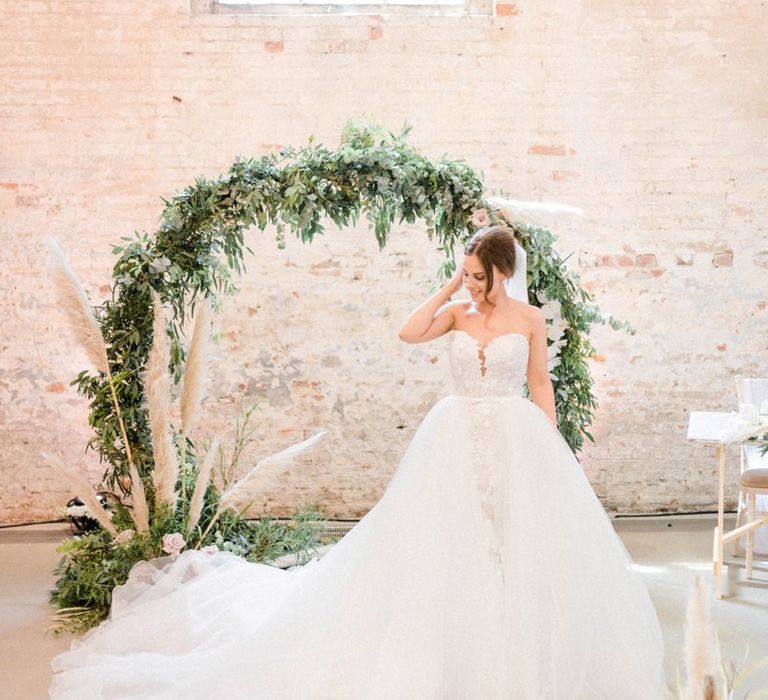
(750, 534)
(717, 563)
(715, 548)
(737, 550)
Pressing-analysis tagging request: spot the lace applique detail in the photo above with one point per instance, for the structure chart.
(485, 464)
(480, 371)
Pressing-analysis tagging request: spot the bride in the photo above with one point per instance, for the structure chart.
(487, 570)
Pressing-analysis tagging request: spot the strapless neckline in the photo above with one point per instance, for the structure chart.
(482, 345)
(481, 351)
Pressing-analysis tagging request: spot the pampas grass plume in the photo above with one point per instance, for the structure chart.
(83, 490)
(701, 656)
(239, 492)
(75, 303)
(201, 485)
(140, 509)
(157, 387)
(195, 369)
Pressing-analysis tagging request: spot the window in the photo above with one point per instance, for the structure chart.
(331, 7)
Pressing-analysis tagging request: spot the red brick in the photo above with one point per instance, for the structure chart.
(505, 9)
(723, 258)
(646, 260)
(544, 150)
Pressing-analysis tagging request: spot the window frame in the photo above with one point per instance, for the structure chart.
(430, 8)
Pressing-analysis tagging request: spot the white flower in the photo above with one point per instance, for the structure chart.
(552, 310)
(553, 350)
(557, 330)
(553, 362)
(160, 265)
(78, 512)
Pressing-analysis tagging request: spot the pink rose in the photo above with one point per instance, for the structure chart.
(173, 543)
(480, 217)
(210, 549)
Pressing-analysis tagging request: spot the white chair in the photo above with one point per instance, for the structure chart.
(753, 480)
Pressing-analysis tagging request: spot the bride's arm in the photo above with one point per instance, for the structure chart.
(539, 383)
(433, 317)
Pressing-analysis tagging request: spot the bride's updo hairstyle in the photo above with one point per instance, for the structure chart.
(493, 245)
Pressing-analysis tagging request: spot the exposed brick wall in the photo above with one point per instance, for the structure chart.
(649, 115)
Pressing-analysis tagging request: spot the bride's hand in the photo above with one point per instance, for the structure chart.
(457, 281)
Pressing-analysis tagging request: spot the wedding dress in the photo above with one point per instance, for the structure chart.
(487, 570)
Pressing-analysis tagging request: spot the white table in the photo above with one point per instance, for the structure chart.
(709, 428)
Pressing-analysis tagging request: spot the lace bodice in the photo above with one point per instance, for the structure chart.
(495, 369)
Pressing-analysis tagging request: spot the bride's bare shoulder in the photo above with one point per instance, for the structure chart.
(535, 318)
(524, 308)
(529, 310)
(533, 312)
(457, 308)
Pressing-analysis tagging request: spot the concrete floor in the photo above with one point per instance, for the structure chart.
(668, 552)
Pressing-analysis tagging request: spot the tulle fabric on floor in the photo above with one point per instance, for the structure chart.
(487, 570)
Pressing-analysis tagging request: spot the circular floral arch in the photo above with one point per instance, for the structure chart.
(195, 253)
(199, 247)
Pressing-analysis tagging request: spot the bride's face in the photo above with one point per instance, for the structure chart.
(476, 281)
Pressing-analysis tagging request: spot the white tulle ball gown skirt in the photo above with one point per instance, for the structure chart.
(487, 570)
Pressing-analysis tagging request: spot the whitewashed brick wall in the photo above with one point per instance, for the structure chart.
(650, 115)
